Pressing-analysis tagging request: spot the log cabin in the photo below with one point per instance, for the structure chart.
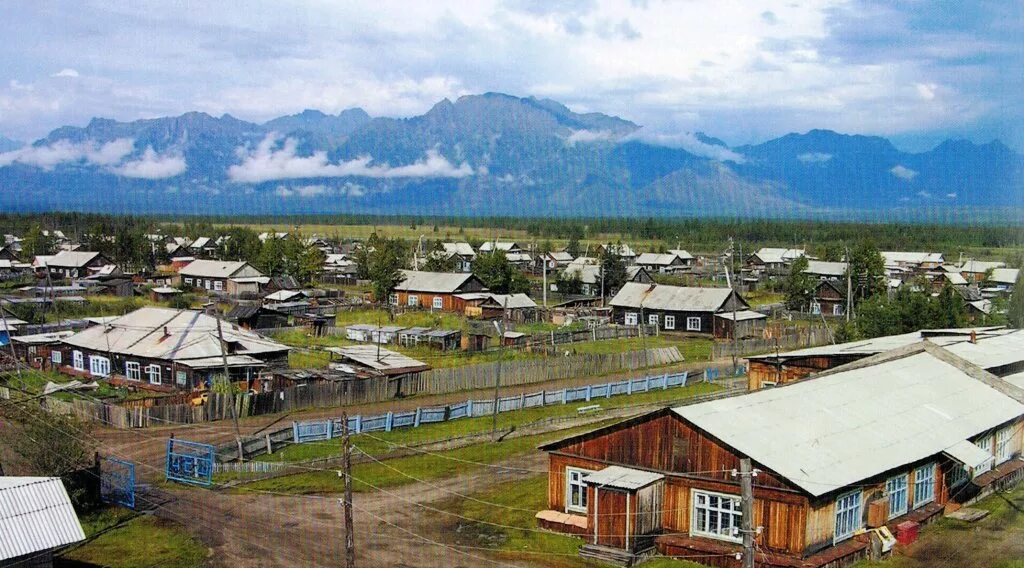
(674, 308)
(436, 291)
(893, 438)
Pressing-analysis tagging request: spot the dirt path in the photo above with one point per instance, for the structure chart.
(259, 529)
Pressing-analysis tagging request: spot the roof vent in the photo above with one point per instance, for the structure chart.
(974, 336)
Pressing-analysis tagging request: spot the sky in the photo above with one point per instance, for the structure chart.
(744, 71)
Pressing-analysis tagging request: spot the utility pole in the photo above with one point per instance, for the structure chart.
(227, 381)
(849, 285)
(747, 510)
(10, 344)
(501, 351)
(545, 291)
(735, 348)
(350, 539)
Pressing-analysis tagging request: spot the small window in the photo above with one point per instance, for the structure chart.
(99, 366)
(670, 322)
(132, 371)
(652, 319)
(985, 443)
(631, 318)
(414, 300)
(393, 299)
(218, 285)
(896, 487)
(575, 489)
(692, 324)
(55, 357)
(924, 485)
(181, 378)
(717, 516)
(154, 374)
(815, 308)
(438, 302)
(848, 515)
(188, 281)
(1004, 447)
(958, 475)
(837, 309)
(78, 360)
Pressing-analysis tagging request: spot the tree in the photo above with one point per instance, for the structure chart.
(948, 309)
(613, 269)
(440, 261)
(309, 264)
(499, 275)
(36, 243)
(240, 243)
(867, 269)
(575, 234)
(569, 282)
(798, 285)
(381, 261)
(270, 259)
(832, 252)
(1015, 309)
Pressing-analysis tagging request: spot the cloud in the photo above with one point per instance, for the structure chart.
(66, 72)
(926, 91)
(903, 172)
(60, 152)
(276, 160)
(152, 166)
(686, 141)
(349, 189)
(814, 157)
(769, 17)
(589, 136)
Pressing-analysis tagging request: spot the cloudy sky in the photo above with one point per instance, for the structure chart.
(742, 70)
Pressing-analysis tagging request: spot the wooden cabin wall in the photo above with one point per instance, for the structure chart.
(556, 477)
(647, 513)
(611, 517)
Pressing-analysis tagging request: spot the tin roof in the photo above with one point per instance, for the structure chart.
(859, 420)
(511, 301)
(218, 269)
(620, 477)
(682, 254)
(1005, 275)
(656, 259)
(741, 315)
(380, 359)
(35, 515)
(439, 282)
(70, 259)
(980, 266)
(461, 249)
(825, 268)
(671, 298)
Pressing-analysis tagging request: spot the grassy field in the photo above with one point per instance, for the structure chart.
(138, 541)
(382, 442)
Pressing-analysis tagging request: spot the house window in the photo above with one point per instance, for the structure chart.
(716, 515)
(188, 281)
(393, 299)
(848, 516)
(55, 357)
(815, 308)
(837, 309)
(896, 487)
(438, 302)
(181, 378)
(414, 301)
(1004, 449)
(985, 443)
(924, 485)
(670, 322)
(78, 361)
(132, 371)
(692, 324)
(218, 285)
(631, 318)
(957, 475)
(99, 366)
(652, 319)
(575, 489)
(154, 374)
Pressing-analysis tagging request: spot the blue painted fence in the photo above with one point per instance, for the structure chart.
(117, 482)
(189, 462)
(319, 430)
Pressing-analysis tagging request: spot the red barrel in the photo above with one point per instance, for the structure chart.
(906, 532)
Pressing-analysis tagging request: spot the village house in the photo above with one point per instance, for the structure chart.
(555, 260)
(997, 350)
(231, 277)
(747, 323)
(773, 260)
(165, 350)
(589, 275)
(622, 250)
(1002, 281)
(518, 308)
(35, 349)
(830, 462)
(73, 264)
(463, 254)
(37, 518)
(824, 270)
(674, 308)
(684, 256)
(663, 263)
(435, 290)
(829, 298)
(914, 262)
(504, 246)
(978, 270)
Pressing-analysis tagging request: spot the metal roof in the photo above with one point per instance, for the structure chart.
(70, 259)
(42, 338)
(845, 426)
(741, 315)
(380, 359)
(511, 301)
(35, 515)
(968, 454)
(620, 477)
(284, 295)
(166, 290)
(438, 282)
(1005, 275)
(671, 298)
(825, 268)
(190, 335)
(219, 269)
(656, 259)
(461, 249)
(218, 361)
(901, 257)
(682, 254)
(778, 255)
(980, 266)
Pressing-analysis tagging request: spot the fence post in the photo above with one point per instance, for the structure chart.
(359, 423)
(295, 431)
(522, 400)
(647, 383)
(589, 388)
(608, 391)
(629, 386)
(330, 428)
(270, 448)
(565, 399)
(416, 422)
(387, 422)
(469, 408)
(665, 384)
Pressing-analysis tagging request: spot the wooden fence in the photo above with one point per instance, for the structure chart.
(360, 391)
(802, 337)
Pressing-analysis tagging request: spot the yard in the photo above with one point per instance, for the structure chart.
(119, 538)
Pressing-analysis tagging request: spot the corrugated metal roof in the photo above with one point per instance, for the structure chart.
(840, 428)
(741, 315)
(622, 478)
(42, 338)
(1006, 276)
(825, 268)
(968, 454)
(778, 255)
(901, 257)
(218, 269)
(380, 359)
(656, 259)
(35, 515)
(980, 266)
(673, 298)
(461, 249)
(70, 259)
(438, 282)
(511, 301)
(682, 254)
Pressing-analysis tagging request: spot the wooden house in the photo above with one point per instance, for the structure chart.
(663, 263)
(978, 271)
(436, 291)
(515, 307)
(40, 350)
(674, 308)
(236, 278)
(251, 316)
(829, 298)
(684, 256)
(462, 253)
(747, 323)
(773, 260)
(74, 264)
(831, 462)
(824, 270)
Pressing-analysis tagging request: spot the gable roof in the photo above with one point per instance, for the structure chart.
(672, 298)
(461, 249)
(656, 259)
(217, 268)
(70, 259)
(438, 282)
(772, 255)
(36, 515)
(859, 420)
(826, 268)
(511, 301)
(682, 254)
(892, 257)
(980, 266)
(1005, 275)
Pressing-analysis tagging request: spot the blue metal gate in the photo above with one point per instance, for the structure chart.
(117, 482)
(189, 462)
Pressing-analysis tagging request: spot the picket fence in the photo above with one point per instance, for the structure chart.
(808, 337)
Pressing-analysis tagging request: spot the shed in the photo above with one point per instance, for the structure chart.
(748, 323)
(412, 336)
(625, 507)
(385, 334)
(444, 339)
(359, 332)
(36, 518)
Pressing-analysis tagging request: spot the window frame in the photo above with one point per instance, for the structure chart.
(570, 484)
(690, 323)
(631, 318)
(218, 285)
(894, 490)
(154, 370)
(920, 499)
(181, 378)
(393, 299)
(133, 371)
(56, 357)
(99, 366)
(653, 319)
(735, 513)
(853, 516)
(1004, 451)
(437, 303)
(78, 360)
(413, 301)
(670, 322)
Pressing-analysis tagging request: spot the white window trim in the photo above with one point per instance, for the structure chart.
(413, 301)
(132, 371)
(631, 318)
(437, 303)
(1004, 448)
(56, 357)
(692, 323)
(218, 285)
(815, 308)
(99, 366)
(837, 309)
(181, 378)
(78, 360)
(694, 531)
(652, 319)
(892, 486)
(918, 503)
(670, 322)
(858, 520)
(958, 475)
(569, 507)
(393, 299)
(154, 371)
(188, 281)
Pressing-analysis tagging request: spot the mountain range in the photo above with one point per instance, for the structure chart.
(491, 154)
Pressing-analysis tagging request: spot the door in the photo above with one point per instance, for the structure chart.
(610, 509)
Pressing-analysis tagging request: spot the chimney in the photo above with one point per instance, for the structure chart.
(974, 336)
(166, 331)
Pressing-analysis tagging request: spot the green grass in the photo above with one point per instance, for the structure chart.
(308, 359)
(416, 318)
(763, 297)
(143, 541)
